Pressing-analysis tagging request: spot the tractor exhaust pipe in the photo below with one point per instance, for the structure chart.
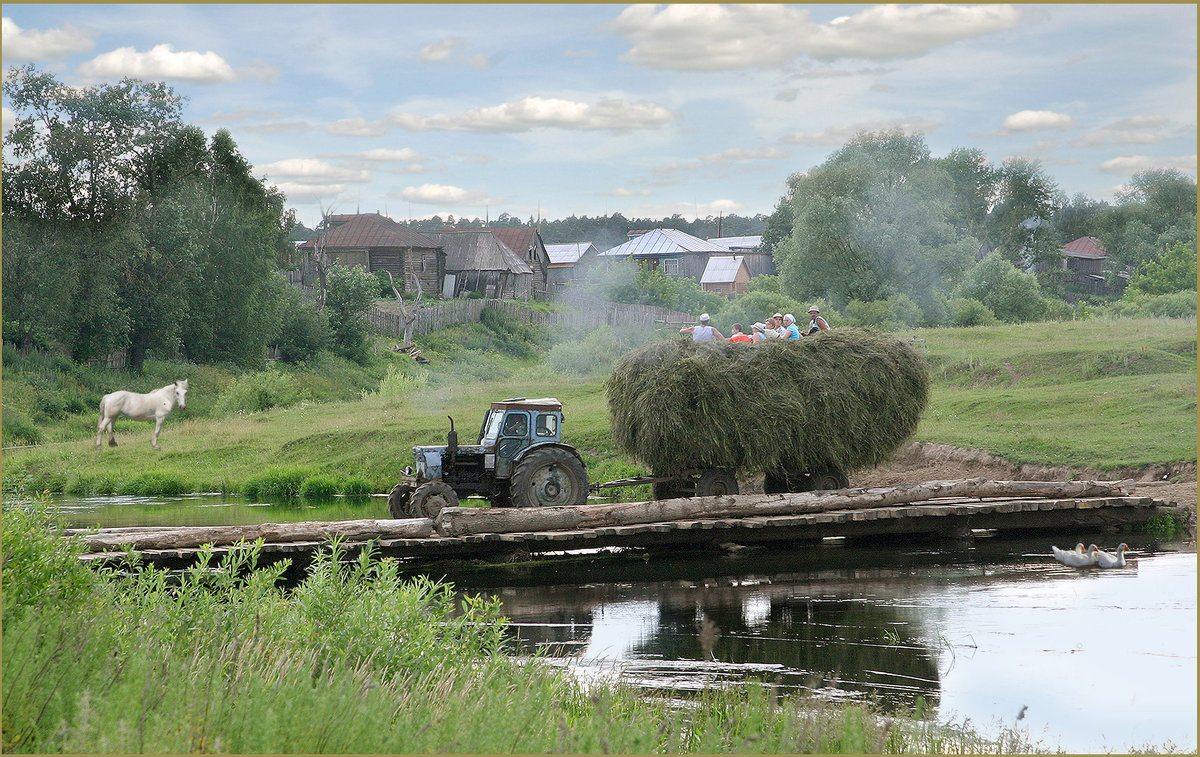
(451, 442)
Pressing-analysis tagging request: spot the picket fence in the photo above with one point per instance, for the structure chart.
(583, 314)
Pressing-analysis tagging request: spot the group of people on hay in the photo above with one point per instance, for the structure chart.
(778, 326)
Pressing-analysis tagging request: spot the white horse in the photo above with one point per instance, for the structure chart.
(156, 406)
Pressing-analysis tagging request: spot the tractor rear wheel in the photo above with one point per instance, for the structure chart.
(549, 477)
(400, 501)
(715, 483)
(429, 499)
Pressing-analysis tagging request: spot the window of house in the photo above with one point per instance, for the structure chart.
(670, 266)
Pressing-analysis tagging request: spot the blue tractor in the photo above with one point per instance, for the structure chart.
(520, 460)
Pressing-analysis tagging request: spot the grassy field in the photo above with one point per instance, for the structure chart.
(1101, 394)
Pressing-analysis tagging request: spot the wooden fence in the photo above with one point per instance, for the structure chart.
(584, 314)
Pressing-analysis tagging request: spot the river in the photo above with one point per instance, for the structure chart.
(997, 635)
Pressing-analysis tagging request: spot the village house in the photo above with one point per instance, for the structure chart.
(569, 262)
(1085, 259)
(526, 242)
(758, 262)
(477, 261)
(675, 253)
(377, 243)
(725, 275)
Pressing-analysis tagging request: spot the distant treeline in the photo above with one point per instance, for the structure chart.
(603, 231)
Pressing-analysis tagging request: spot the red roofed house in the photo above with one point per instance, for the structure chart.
(1084, 259)
(378, 243)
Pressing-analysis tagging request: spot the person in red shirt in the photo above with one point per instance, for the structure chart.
(737, 335)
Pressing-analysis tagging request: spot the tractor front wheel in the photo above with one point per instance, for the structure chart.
(400, 501)
(547, 478)
(429, 499)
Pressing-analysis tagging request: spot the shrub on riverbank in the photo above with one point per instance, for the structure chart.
(353, 660)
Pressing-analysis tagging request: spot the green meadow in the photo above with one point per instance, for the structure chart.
(1101, 394)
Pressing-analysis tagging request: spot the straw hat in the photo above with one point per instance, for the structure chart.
(814, 309)
(704, 317)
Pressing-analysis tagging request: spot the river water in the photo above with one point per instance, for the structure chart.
(997, 635)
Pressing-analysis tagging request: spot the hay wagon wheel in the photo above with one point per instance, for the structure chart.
(672, 489)
(400, 501)
(429, 499)
(549, 477)
(829, 478)
(715, 483)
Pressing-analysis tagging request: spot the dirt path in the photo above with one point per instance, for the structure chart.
(923, 461)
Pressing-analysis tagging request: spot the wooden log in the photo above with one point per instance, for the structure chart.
(196, 536)
(457, 521)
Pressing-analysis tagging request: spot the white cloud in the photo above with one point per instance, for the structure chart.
(29, 45)
(839, 134)
(687, 209)
(278, 127)
(441, 194)
(1035, 120)
(1137, 130)
(385, 155)
(723, 37)
(9, 118)
(741, 153)
(357, 127)
(297, 193)
(1128, 165)
(313, 171)
(542, 112)
(260, 70)
(440, 51)
(623, 192)
(445, 51)
(161, 62)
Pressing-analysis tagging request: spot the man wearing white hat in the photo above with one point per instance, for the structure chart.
(817, 323)
(705, 332)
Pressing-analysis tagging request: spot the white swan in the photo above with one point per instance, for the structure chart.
(1109, 560)
(1076, 558)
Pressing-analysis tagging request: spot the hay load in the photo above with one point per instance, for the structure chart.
(845, 398)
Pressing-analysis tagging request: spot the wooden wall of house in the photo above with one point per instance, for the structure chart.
(1085, 265)
(405, 262)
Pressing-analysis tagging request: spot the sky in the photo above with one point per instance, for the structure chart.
(554, 110)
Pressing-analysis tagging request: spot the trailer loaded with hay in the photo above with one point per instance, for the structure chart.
(804, 413)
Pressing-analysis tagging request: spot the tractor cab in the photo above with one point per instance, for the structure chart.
(511, 426)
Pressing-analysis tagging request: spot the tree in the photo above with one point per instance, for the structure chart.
(872, 221)
(1012, 295)
(1173, 271)
(351, 294)
(973, 186)
(1018, 226)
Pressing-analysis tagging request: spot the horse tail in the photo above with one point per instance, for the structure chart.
(103, 401)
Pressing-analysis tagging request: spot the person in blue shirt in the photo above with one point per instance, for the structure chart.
(789, 325)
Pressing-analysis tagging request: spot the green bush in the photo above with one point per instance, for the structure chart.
(1013, 296)
(90, 484)
(400, 382)
(896, 312)
(303, 331)
(350, 293)
(1175, 305)
(965, 311)
(262, 390)
(277, 483)
(595, 353)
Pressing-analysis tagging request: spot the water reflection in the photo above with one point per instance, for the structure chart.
(984, 634)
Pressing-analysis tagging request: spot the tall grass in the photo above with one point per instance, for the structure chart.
(354, 659)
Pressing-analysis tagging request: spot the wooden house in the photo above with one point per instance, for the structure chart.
(526, 242)
(477, 261)
(377, 243)
(1085, 260)
(569, 261)
(726, 275)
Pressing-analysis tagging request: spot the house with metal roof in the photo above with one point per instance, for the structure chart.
(725, 275)
(377, 243)
(758, 262)
(477, 261)
(569, 261)
(674, 252)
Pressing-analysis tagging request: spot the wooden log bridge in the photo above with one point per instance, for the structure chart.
(952, 509)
